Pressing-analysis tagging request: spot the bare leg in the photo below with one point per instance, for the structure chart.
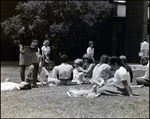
(22, 72)
(35, 73)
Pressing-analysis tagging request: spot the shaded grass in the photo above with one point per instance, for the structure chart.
(53, 102)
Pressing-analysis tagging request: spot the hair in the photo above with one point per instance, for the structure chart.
(88, 57)
(115, 59)
(64, 58)
(144, 39)
(45, 41)
(104, 59)
(79, 62)
(26, 87)
(123, 58)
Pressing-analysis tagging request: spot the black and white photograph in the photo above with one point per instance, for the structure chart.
(75, 59)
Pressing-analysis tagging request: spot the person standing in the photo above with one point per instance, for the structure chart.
(46, 50)
(90, 50)
(144, 50)
(28, 46)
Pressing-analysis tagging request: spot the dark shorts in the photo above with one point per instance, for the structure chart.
(64, 81)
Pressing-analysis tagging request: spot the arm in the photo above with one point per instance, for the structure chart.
(127, 88)
(91, 67)
(21, 49)
(71, 78)
(109, 72)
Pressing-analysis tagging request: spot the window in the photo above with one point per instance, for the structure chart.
(121, 10)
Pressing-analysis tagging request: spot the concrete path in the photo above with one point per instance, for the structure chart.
(135, 67)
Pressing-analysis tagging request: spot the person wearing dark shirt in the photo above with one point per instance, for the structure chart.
(28, 55)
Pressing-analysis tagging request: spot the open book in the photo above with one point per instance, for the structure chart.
(99, 80)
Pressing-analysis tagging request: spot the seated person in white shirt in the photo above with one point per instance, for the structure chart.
(144, 80)
(61, 74)
(77, 63)
(12, 86)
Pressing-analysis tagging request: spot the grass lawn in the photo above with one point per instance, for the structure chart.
(53, 102)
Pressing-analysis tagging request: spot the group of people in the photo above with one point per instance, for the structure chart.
(111, 76)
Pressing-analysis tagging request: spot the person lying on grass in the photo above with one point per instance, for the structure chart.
(11, 86)
(120, 84)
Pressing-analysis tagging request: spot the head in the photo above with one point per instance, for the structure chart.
(87, 58)
(115, 62)
(123, 59)
(78, 62)
(91, 44)
(104, 59)
(64, 58)
(144, 60)
(144, 39)
(25, 21)
(46, 42)
(25, 86)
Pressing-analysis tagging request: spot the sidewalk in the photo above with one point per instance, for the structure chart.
(135, 67)
(132, 65)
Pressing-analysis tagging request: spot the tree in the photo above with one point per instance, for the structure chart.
(67, 24)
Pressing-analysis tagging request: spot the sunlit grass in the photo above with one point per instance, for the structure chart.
(53, 102)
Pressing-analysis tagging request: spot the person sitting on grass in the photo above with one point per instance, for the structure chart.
(77, 63)
(87, 69)
(144, 80)
(102, 72)
(61, 74)
(12, 86)
(116, 86)
(42, 73)
(128, 68)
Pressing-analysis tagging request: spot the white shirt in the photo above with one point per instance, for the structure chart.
(63, 71)
(121, 75)
(145, 46)
(9, 86)
(46, 50)
(90, 51)
(75, 75)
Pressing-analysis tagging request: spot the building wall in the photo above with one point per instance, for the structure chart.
(135, 28)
